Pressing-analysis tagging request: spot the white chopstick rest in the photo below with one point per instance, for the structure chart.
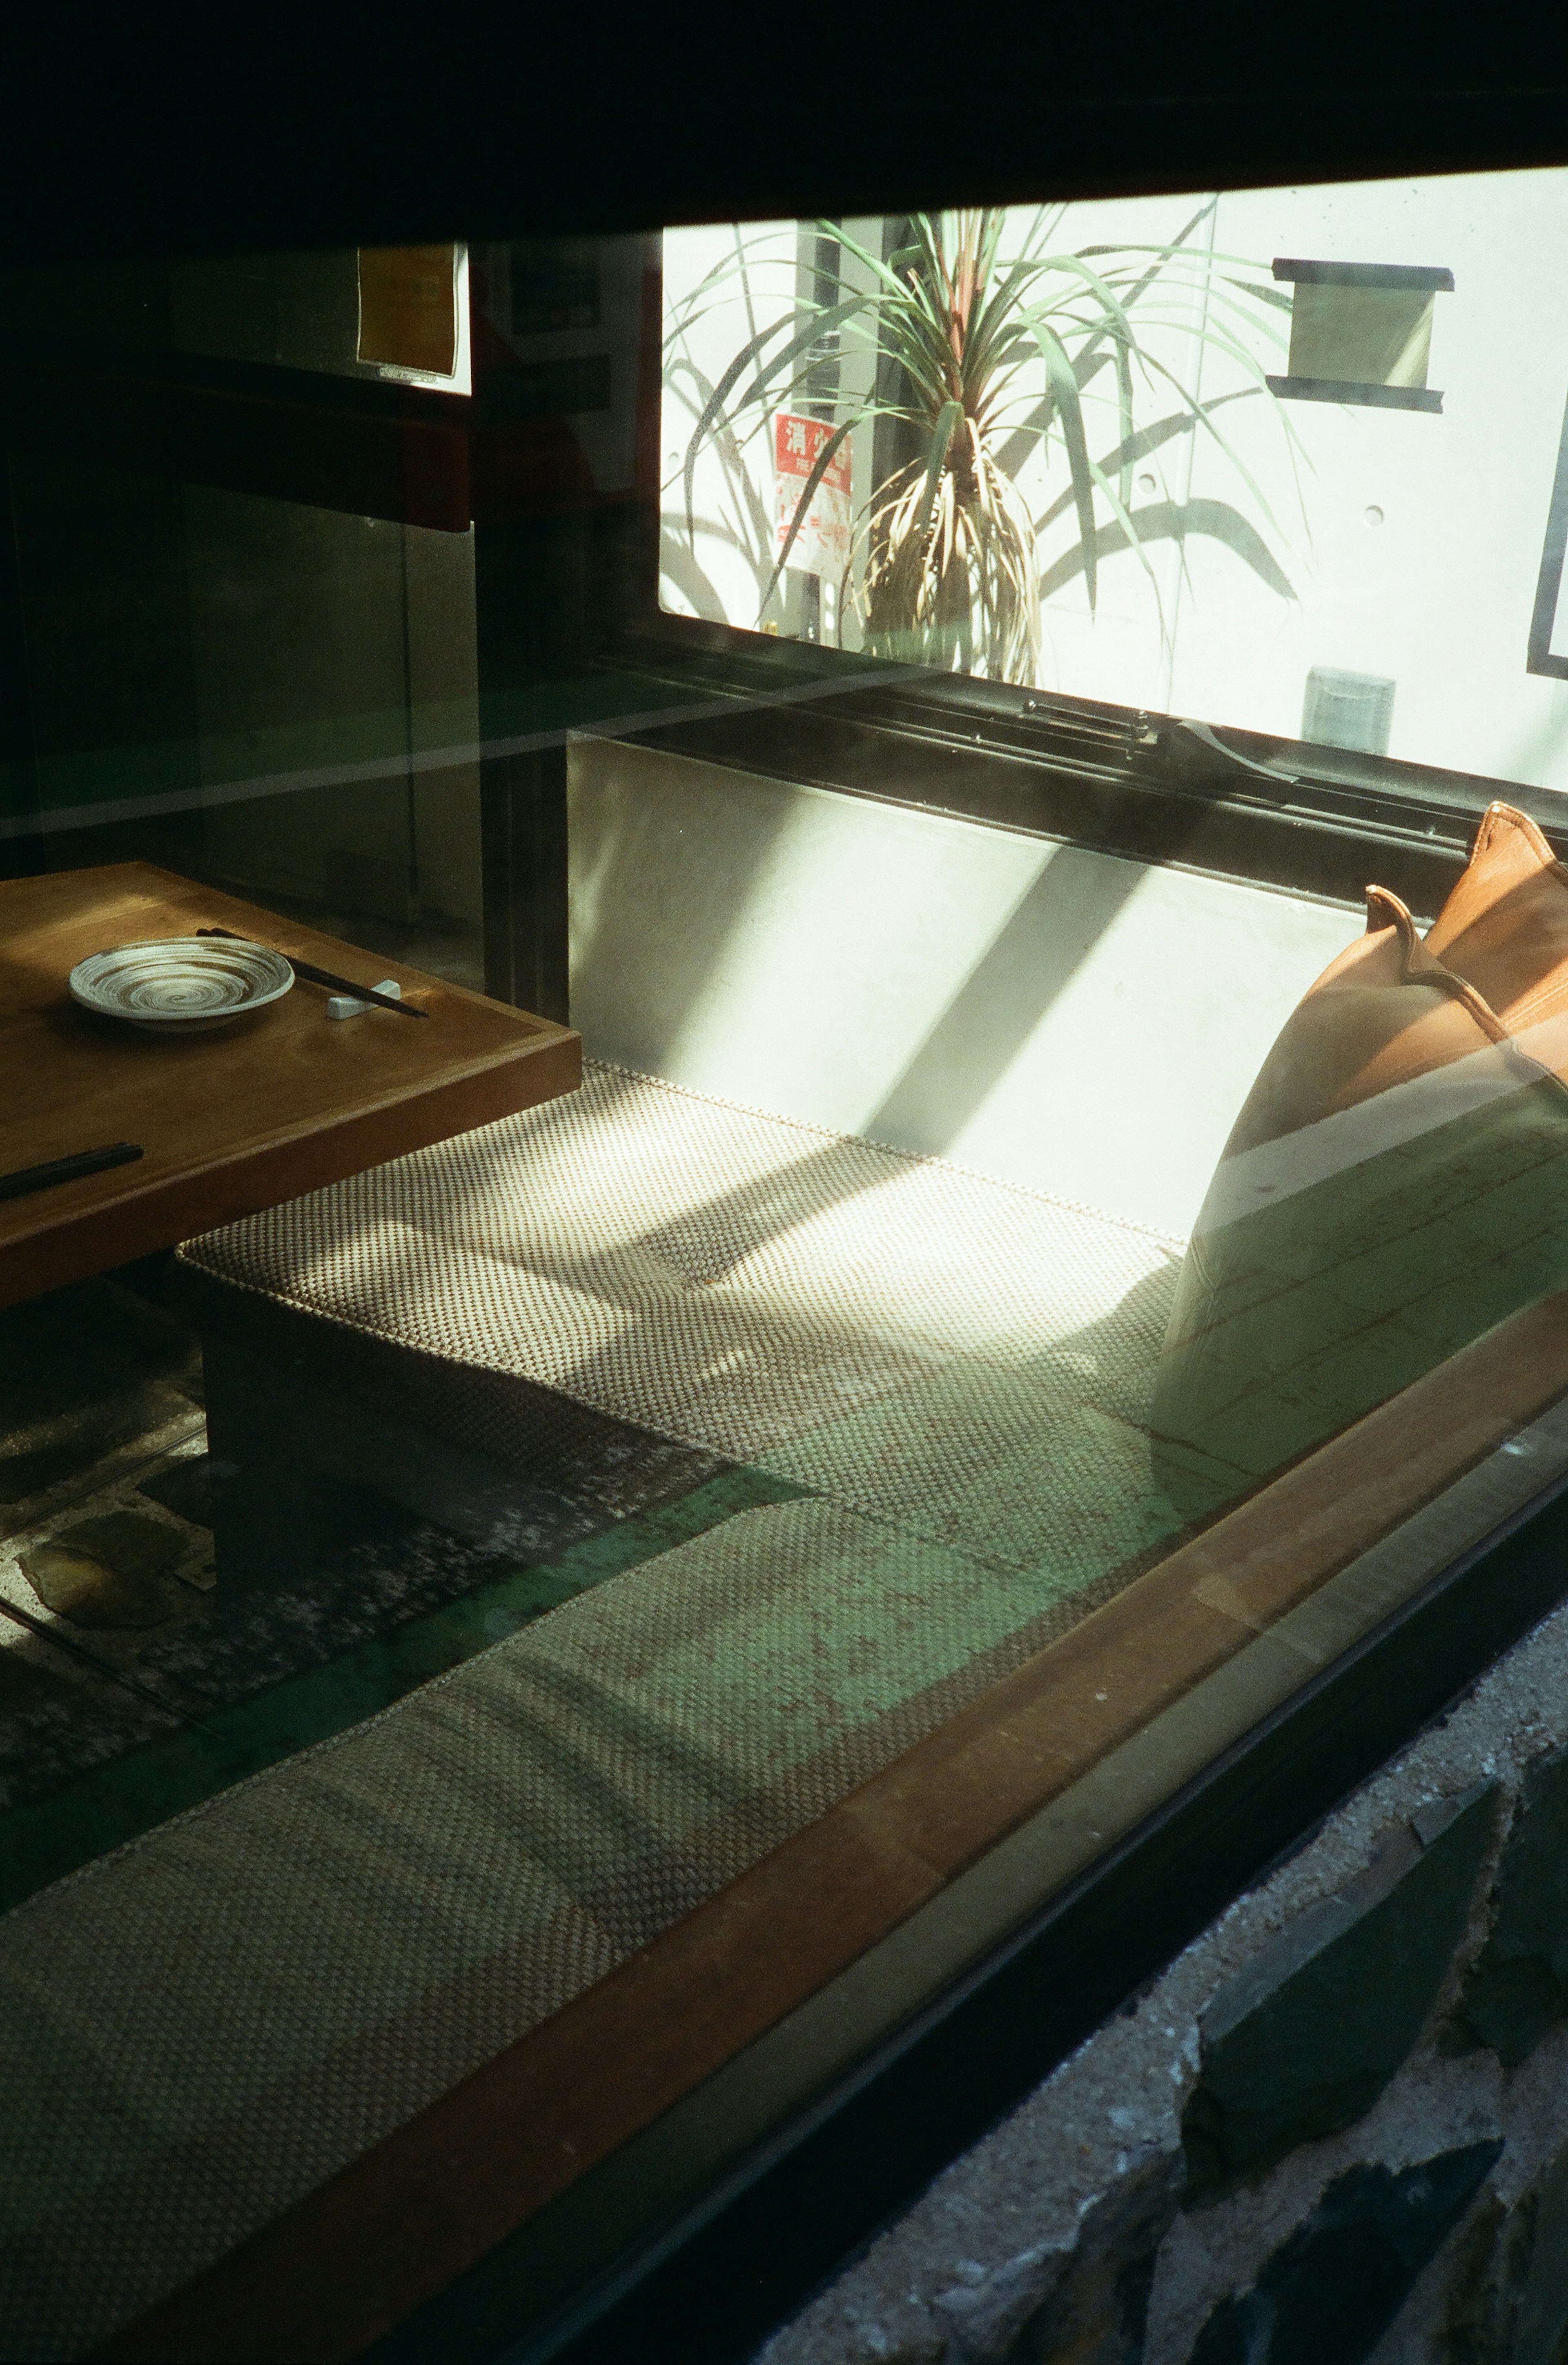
(349, 1005)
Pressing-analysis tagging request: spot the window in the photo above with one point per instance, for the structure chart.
(745, 1302)
(1202, 543)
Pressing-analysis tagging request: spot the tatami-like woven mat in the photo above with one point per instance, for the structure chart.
(204, 2025)
(722, 1276)
(198, 2029)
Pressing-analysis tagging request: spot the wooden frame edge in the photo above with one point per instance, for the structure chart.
(441, 2191)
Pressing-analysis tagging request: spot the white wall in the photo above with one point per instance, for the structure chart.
(722, 571)
(1438, 595)
(1066, 1019)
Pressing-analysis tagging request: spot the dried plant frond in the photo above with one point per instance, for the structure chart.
(954, 581)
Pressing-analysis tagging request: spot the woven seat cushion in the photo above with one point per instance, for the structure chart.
(968, 1358)
(1395, 1183)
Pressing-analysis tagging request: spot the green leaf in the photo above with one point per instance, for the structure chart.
(935, 458)
(1274, 295)
(819, 325)
(713, 409)
(863, 255)
(1125, 410)
(1064, 386)
(713, 279)
(1085, 313)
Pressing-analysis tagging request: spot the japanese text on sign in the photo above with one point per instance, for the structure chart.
(822, 546)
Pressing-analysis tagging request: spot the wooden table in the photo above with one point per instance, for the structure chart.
(281, 1103)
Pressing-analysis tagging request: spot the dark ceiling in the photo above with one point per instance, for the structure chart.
(211, 127)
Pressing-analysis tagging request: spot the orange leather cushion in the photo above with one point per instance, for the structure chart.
(1505, 927)
(1396, 1182)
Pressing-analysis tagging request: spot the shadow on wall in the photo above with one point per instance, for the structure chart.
(631, 844)
(1071, 1021)
(1175, 521)
(969, 1051)
(1063, 911)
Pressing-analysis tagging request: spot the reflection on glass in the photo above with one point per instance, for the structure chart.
(480, 1533)
(1395, 1182)
(1126, 443)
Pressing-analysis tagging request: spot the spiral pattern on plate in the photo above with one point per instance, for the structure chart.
(178, 984)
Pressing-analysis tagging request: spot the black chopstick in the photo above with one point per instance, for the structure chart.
(66, 1169)
(74, 1650)
(325, 977)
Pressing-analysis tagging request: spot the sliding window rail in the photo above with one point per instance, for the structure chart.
(1306, 820)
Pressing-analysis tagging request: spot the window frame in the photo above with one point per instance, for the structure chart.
(1303, 819)
(708, 2287)
(707, 2284)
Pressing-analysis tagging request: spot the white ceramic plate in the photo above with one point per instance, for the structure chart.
(180, 986)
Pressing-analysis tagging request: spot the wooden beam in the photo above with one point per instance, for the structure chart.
(347, 449)
(411, 456)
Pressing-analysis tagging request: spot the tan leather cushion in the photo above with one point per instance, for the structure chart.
(1396, 1182)
(1505, 927)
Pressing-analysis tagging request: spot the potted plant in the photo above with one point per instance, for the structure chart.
(976, 351)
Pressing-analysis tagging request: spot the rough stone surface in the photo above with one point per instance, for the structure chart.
(1087, 2300)
(982, 2316)
(1305, 2040)
(1004, 2223)
(109, 1572)
(1099, 2314)
(1214, 2253)
(1509, 2305)
(1335, 2287)
(1519, 1986)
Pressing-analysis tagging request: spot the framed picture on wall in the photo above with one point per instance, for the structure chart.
(1549, 624)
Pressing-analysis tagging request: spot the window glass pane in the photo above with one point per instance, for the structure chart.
(1254, 457)
(698, 1270)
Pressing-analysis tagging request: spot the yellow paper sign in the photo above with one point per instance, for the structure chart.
(408, 307)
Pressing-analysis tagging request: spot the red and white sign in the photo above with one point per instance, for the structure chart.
(822, 546)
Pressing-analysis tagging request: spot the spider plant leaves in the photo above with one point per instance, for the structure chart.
(945, 553)
(1063, 382)
(1114, 310)
(1124, 421)
(968, 587)
(713, 409)
(863, 255)
(1275, 296)
(936, 458)
(819, 325)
